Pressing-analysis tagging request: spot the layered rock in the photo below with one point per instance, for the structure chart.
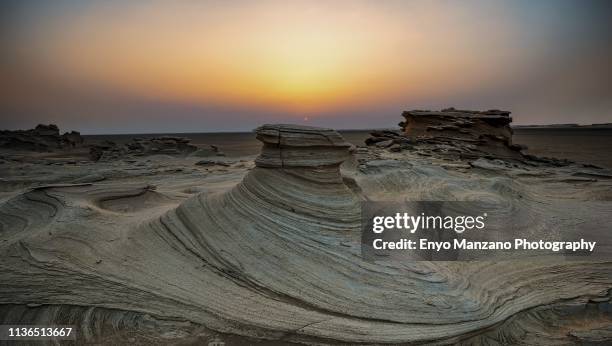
(311, 152)
(393, 140)
(42, 138)
(466, 125)
(463, 134)
(164, 145)
(277, 257)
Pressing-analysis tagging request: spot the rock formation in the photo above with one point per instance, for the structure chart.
(393, 140)
(458, 124)
(42, 138)
(277, 257)
(165, 145)
(463, 134)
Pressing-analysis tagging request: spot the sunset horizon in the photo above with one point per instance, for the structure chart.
(107, 67)
(305, 172)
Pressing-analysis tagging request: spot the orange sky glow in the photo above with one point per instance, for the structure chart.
(310, 58)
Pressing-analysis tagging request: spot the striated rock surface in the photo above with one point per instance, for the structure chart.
(276, 256)
(465, 124)
(462, 134)
(42, 138)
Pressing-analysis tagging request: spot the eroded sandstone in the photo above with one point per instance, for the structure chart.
(42, 138)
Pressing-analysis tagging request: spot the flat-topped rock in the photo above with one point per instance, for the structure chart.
(450, 122)
(300, 146)
(452, 133)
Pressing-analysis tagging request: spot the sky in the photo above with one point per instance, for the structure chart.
(205, 66)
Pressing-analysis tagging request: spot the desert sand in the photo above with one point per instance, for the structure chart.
(177, 248)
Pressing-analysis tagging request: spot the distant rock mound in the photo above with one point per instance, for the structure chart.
(462, 133)
(42, 138)
(164, 145)
(466, 125)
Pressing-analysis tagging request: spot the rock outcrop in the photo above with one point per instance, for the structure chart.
(277, 256)
(457, 124)
(164, 145)
(42, 138)
(300, 146)
(459, 134)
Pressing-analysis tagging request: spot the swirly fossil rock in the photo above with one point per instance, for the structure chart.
(276, 257)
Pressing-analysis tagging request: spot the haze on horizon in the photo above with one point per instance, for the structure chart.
(202, 66)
